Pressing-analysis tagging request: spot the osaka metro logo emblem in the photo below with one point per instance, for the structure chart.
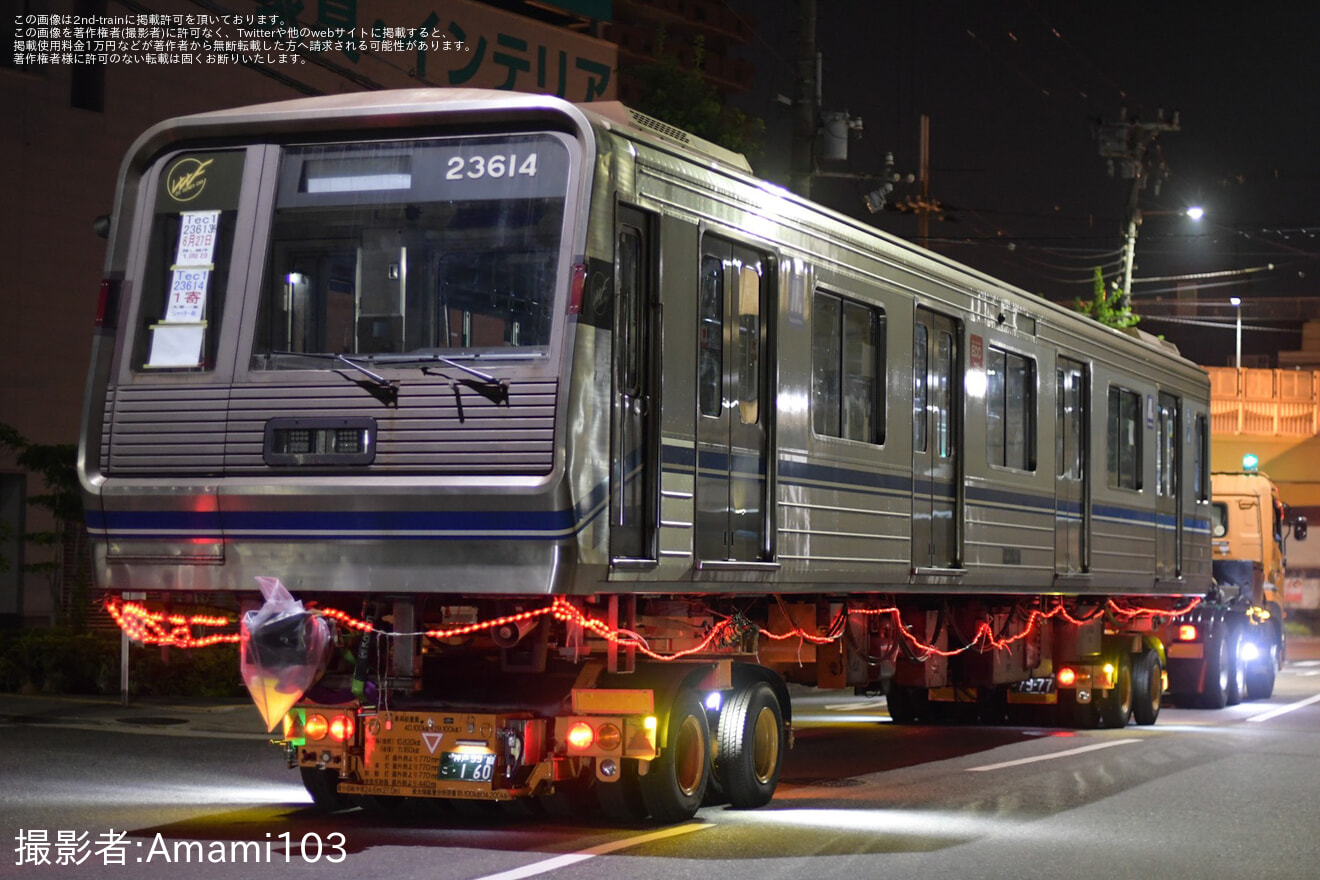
(187, 179)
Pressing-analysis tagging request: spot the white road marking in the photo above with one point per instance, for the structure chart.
(567, 859)
(1050, 757)
(1284, 710)
(860, 706)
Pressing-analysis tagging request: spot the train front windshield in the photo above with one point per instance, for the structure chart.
(444, 246)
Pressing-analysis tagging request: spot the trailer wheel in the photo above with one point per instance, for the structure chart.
(750, 734)
(676, 781)
(907, 705)
(1260, 673)
(322, 785)
(1147, 686)
(1214, 695)
(1237, 670)
(1115, 705)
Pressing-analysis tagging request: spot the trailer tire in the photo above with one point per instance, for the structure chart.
(675, 783)
(322, 785)
(750, 738)
(1147, 686)
(907, 705)
(1214, 691)
(1115, 705)
(1237, 670)
(1260, 673)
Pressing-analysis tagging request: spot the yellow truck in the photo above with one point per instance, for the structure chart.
(1250, 528)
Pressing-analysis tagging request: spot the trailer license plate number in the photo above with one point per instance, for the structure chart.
(467, 766)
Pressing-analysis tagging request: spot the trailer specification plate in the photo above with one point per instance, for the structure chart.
(467, 766)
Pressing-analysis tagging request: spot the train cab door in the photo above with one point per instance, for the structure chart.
(634, 455)
(936, 405)
(732, 413)
(1071, 507)
(1168, 488)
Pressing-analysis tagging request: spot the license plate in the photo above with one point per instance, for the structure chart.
(467, 766)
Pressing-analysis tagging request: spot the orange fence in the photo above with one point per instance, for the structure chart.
(1278, 403)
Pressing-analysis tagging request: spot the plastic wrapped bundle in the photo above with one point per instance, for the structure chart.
(284, 650)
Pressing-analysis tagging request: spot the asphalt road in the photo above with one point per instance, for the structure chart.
(195, 791)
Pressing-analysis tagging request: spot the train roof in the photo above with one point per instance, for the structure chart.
(380, 109)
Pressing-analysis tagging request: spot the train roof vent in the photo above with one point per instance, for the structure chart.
(623, 115)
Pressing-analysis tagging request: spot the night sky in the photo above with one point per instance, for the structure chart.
(1015, 90)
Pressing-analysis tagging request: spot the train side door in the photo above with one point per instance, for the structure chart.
(1071, 507)
(936, 404)
(1168, 488)
(634, 469)
(732, 415)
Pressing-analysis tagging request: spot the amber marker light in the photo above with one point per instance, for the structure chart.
(1187, 633)
(316, 727)
(608, 737)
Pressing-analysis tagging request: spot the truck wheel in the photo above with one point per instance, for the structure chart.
(750, 734)
(1260, 672)
(1214, 693)
(1237, 673)
(1116, 703)
(676, 782)
(907, 705)
(1147, 686)
(323, 786)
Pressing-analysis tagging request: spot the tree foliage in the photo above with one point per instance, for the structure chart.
(680, 95)
(56, 465)
(1107, 305)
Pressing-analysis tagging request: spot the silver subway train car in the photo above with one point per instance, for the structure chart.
(589, 423)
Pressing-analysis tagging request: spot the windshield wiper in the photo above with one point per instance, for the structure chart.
(384, 390)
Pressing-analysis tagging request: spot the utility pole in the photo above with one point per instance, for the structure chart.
(1126, 144)
(806, 103)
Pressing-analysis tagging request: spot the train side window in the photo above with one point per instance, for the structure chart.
(710, 341)
(1123, 458)
(1010, 409)
(749, 344)
(1166, 449)
(847, 357)
(1201, 460)
(920, 368)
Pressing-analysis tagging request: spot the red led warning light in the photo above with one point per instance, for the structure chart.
(341, 728)
(581, 736)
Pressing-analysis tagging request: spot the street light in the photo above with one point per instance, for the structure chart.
(1194, 212)
(1236, 302)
